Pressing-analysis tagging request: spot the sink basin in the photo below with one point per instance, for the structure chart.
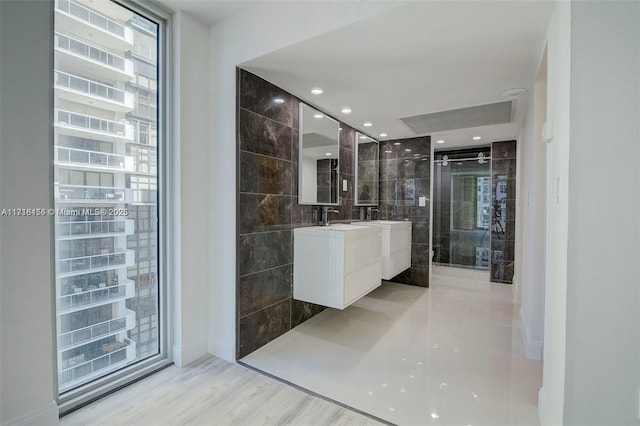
(335, 228)
(336, 265)
(341, 227)
(396, 245)
(379, 222)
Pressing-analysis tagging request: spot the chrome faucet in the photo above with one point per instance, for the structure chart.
(324, 220)
(370, 211)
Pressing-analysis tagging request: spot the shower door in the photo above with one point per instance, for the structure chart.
(462, 207)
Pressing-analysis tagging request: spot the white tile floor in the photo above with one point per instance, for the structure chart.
(447, 355)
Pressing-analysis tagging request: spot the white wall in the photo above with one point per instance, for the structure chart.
(603, 271)
(533, 209)
(26, 246)
(191, 182)
(252, 33)
(552, 395)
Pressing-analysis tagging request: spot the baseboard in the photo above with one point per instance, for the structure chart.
(222, 350)
(532, 348)
(515, 295)
(541, 410)
(47, 415)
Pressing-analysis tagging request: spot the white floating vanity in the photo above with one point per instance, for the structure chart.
(336, 265)
(396, 245)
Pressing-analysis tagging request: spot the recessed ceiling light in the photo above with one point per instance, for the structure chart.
(363, 137)
(513, 93)
(388, 151)
(346, 110)
(328, 154)
(316, 91)
(417, 155)
(477, 138)
(367, 124)
(340, 128)
(407, 150)
(440, 141)
(397, 143)
(383, 135)
(318, 116)
(278, 101)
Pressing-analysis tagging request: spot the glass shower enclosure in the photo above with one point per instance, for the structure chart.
(462, 208)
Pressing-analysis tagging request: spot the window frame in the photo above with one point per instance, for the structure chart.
(75, 398)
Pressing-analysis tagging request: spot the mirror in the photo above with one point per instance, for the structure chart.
(366, 167)
(318, 158)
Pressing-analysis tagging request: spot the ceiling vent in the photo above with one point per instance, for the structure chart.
(482, 115)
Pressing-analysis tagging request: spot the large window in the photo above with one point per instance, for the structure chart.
(107, 102)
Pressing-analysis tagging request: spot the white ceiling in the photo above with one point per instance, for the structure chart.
(420, 58)
(209, 11)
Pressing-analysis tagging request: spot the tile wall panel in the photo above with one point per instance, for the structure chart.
(405, 176)
(268, 211)
(503, 211)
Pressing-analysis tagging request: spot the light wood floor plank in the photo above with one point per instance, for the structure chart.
(211, 391)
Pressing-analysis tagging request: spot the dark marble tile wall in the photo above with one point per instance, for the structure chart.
(268, 211)
(441, 213)
(267, 172)
(347, 157)
(503, 211)
(327, 180)
(368, 165)
(405, 173)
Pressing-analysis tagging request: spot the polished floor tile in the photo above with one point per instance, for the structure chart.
(447, 355)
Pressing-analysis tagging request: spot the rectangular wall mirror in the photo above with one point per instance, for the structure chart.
(366, 167)
(318, 160)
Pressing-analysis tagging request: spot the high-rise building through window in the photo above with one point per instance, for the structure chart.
(106, 189)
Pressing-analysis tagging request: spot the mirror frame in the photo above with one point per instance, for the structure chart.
(300, 144)
(356, 192)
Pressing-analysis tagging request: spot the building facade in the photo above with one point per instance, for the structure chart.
(105, 117)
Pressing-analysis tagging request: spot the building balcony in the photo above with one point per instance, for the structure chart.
(82, 336)
(91, 61)
(77, 370)
(87, 298)
(118, 14)
(90, 127)
(78, 229)
(100, 262)
(82, 21)
(144, 82)
(92, 160)
(145, 197)
(87, 92)
(83, 194)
